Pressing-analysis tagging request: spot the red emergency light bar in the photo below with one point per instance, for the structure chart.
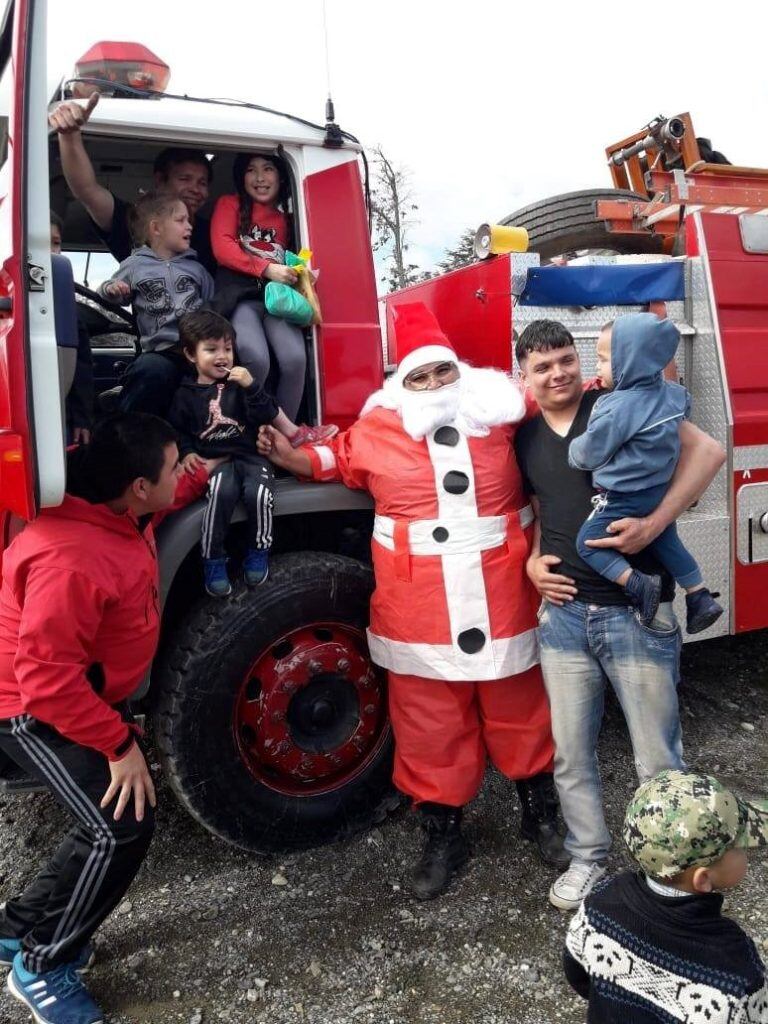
(123, 64)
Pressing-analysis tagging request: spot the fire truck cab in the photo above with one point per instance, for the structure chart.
(268, 715)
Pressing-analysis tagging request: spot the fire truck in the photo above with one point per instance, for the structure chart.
(268, 715)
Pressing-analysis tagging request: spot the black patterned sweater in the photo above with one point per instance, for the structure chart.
(644, 958)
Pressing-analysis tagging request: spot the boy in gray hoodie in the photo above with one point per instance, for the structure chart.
(163, 280)
(632, 446)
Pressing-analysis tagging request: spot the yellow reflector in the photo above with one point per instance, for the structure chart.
(494, 239)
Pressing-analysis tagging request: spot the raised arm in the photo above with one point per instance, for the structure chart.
(701, 456)
(67, 119)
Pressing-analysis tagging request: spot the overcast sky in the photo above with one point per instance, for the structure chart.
(491, 105)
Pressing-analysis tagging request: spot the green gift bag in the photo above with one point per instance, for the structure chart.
(283, 301)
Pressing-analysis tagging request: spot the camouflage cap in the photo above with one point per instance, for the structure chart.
(678, 819)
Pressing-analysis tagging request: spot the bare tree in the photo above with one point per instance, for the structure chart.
(462, 255)
(393, 204)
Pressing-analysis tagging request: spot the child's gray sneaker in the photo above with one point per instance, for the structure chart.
(567, 891)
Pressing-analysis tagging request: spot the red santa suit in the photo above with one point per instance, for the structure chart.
(453, 616)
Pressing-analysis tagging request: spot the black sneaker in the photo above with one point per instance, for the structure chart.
(644, 592)
(701, 610)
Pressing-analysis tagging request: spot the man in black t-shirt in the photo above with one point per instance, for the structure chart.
(185, 172)
(588, 631)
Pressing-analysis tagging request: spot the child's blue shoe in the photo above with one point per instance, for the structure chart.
(82, 962)
(216, 579)
(256, 567)
(701, 610)
(644, 591)
(54, 997)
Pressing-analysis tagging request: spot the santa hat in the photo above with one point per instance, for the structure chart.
(419, 339)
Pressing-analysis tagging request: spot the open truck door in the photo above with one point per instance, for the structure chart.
(31, 428)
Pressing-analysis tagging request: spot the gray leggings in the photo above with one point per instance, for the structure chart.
(258, 334)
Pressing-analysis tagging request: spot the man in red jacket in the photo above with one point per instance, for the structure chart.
(79, 624)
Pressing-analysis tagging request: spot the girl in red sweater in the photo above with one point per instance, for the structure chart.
(250, 232)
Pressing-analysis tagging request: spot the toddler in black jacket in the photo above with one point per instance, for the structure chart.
(654, 947)
(218, 415)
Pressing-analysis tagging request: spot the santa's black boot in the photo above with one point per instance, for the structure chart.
(445, 850)
(539, 822)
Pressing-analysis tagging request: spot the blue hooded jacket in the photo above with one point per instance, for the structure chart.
(632, 440)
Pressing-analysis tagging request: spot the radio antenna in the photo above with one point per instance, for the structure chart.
(333, 136)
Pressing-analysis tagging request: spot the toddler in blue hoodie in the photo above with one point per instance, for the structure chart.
(632, 446)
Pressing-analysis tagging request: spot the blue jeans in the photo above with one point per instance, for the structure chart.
(667, 547)
(581, 646)
(151, 381)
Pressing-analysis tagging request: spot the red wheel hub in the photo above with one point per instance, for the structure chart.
(311, 713)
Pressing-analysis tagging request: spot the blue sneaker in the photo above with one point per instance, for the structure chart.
(701, 610)
(256, 567)
(81, 963)
(216, 579)
(644, 592)
(54, 997)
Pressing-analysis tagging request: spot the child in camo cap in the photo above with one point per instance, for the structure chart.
(653, 946)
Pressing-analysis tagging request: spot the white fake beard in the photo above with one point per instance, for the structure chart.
(478, 400)
(425, 411)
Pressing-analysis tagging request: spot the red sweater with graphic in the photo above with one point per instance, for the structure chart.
(251, 253)
(79, 613)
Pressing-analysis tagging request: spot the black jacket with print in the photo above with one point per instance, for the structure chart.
(220, 419)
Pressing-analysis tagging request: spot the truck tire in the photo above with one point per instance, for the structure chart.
(568, 224)
(271, 720)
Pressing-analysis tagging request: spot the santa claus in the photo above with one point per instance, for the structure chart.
(453, 616)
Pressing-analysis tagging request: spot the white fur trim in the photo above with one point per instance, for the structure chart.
(422, 356)
(489, 398)
(507, 656)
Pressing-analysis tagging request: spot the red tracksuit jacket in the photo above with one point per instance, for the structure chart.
(79, 598)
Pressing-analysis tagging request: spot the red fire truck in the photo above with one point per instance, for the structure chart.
(269, 717)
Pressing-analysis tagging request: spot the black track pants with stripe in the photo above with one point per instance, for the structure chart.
(246, 477)
(92, 869)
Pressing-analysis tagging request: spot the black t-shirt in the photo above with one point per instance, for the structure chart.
(119, 242)
(564, 496)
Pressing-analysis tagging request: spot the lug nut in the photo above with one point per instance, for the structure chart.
(342, 665)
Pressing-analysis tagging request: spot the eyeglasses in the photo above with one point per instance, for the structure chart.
(443, 373)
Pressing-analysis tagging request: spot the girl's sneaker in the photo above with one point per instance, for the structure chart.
(313, 435)
(82, 962)
(53, 997)
(216, 579)
(256, 567)
(701, 610)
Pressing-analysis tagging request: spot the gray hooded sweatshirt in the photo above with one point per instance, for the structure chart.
(161, 292)
(632, 440)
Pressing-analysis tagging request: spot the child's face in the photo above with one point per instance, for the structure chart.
(604, 359)
(729, 871)
(262, 181)
(213, 359)
(55, 238)
(172, 232)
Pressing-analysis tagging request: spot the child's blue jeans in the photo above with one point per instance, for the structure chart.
(667, 547)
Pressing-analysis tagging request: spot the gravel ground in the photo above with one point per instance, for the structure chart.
(211, 934)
